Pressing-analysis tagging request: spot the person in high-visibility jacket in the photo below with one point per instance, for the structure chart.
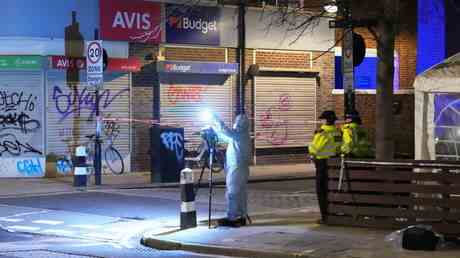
(355, 141)
(326, 144)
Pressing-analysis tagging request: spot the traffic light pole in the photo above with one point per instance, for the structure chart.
(97, 142)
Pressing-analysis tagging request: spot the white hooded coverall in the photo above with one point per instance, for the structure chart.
(237, 165)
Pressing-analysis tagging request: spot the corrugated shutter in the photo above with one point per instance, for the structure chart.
(284, 111)
(71, 113)
(181, 103)
(22, 123)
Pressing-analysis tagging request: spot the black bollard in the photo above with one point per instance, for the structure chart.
(80, 168)
(187, 208)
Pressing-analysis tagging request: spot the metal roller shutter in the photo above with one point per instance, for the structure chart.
(71, 114)
(22, 124)
(181, 104)
(284, 111)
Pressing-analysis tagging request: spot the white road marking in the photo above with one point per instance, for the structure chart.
(100, 235)
(88, 244)
(116, 229)
(85, 226)
(28, 213)
(23, 228)
(58, 232)
(48, 222)
(11, 220)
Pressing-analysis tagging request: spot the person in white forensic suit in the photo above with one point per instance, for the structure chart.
(236, 169)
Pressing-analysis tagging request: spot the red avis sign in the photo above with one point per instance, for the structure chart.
(134, 21)
(131, 64)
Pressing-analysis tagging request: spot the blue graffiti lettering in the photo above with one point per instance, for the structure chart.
(63, 166)
(73, 101)
(174, 142)
(30, 167)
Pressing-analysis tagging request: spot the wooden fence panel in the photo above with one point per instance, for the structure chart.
(395, 194)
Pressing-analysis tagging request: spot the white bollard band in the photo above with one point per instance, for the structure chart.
(187, 206)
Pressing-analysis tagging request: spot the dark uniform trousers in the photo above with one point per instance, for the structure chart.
(322, 185)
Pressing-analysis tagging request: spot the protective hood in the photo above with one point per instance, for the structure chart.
(241, 123)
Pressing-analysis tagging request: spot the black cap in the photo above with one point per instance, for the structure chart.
(354, 116)
(328, 115)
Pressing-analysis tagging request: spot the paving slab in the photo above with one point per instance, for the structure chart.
(288, 237)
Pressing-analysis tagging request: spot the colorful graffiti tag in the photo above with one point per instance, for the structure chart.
(20, 122)
(191, 94)
(72, 102)
(274, 123)
(174, 142)
(30, 167)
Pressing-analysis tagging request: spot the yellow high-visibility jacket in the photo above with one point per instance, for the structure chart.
(326, 142)
(355, 141)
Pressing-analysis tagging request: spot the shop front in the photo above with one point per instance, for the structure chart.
(284, 112)
(188, 88)
(22, 116)
(72, 107)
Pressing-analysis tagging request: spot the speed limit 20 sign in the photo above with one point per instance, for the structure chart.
(94, 63)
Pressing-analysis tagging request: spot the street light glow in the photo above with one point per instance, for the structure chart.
(206, 115)
(331, 7)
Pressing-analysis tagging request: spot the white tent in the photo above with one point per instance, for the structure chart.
(437, 111)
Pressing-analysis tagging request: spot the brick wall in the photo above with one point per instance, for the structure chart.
(195, 54)
(142, 105)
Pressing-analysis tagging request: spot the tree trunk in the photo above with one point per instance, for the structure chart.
(385, 72)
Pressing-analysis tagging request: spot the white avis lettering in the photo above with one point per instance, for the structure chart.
(132, 20)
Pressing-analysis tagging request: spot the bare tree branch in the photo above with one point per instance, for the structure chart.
(329, 49)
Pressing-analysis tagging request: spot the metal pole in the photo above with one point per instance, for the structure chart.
(241, 54)
(97, 142)
(347, 60)
(211, 156)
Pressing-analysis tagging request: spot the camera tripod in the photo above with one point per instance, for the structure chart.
(210, 138)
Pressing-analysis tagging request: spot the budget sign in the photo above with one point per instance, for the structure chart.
(94, 63)
(192, 25)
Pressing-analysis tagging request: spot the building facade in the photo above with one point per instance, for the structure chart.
(173, 61)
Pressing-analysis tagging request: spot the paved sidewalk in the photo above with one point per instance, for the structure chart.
(33, 186)
(289, 235)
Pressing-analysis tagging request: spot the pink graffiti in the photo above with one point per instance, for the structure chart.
(191, 94)
(284, 102)
(274, 123)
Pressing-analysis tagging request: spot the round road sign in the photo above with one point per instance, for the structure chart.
(94, 52)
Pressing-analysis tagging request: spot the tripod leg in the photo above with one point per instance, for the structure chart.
(211, 152)
(249, 219)
(199, 180)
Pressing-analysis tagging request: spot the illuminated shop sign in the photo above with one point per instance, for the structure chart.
(197, 67)
(197, 25)
(20, 62)
(134, 21)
